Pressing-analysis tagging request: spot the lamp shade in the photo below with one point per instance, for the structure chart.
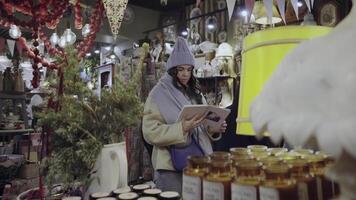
(260, 14)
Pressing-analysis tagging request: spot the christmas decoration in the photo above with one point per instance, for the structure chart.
(83, 123)
(115, 12)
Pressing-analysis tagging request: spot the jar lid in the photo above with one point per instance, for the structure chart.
(239, 151)
(122, 190)
(100, 194)
(72, 198)
(128, 196)
(107, 198)
(255, 148)
(147, 198)
(271, 160)
(303, 151)
(169, 195)
(277, 151)
(141, 187)
(152, 191)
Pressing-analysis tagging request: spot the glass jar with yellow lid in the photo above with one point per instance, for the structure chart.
(217, 183)
(193, 174)
(306, 183)
(248, 178)
(278, 184)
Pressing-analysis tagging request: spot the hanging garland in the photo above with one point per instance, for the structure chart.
(48, 13)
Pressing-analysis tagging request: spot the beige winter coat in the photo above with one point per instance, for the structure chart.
(160, 135)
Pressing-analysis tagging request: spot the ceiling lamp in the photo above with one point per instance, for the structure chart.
(85, 30)
(70, 37)
(260, 14)
(54, 39)
(14, 32)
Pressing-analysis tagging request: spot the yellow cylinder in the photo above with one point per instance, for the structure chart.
(262, 53)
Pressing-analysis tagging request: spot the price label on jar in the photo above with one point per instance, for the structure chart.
(268, 194)
(213, 190)
(191, 188)
(243, 192)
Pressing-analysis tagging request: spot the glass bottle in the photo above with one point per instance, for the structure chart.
(217, 183)
(278, 184)
(306, 183)
(248, 178)
(193, 175)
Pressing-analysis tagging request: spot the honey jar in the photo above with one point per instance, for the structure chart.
(306, 183)
(248, 178)
(193, 174)
(325, 187)
(271, 160)
(278, 184)
(239, 151)
(220, 155)
(217, 183)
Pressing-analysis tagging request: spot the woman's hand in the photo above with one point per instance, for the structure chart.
(194, 122)
(218, 129)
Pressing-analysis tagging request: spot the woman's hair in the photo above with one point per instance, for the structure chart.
(193, 89)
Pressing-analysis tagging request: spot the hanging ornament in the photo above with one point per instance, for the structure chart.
(14, 32)
(249, 4)
(281, 7)
(269, 8)
(54, 39)
(62, 41)
(69, 36)
(115, 12)
(230, 7)
(86, 30)
(308, 5)
(295, 7)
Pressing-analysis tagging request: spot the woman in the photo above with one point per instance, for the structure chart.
(176, 88)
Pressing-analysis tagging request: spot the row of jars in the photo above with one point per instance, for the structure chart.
(259, 173)
(135, 192)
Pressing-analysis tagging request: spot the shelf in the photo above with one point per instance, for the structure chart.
(20, 131)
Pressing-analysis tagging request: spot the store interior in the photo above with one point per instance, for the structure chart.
(75, 76)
